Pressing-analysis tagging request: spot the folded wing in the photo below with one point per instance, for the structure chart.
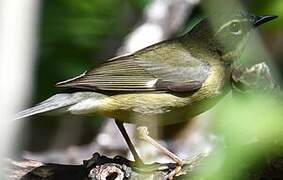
(139, 73)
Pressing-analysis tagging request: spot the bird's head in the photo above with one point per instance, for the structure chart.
(227, 34)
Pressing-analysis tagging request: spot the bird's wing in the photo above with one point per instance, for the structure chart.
(142, 72)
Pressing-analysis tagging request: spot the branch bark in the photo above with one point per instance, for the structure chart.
(98, 167)
(255, 79)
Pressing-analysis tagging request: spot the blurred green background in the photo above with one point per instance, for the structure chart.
(77, 35)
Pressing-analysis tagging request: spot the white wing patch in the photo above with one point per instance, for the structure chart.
(151, 83)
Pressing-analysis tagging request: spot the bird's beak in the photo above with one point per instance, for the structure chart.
(258, 20)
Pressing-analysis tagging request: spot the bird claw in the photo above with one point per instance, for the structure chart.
(176, 172)
(142, 132)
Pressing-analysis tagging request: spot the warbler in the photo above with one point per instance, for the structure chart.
(167, 82)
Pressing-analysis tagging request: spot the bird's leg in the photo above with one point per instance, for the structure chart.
(143, 134)
(122, 129)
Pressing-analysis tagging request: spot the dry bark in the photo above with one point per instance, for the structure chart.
(98, 167)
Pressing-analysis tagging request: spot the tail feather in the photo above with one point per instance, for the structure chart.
(55, 102)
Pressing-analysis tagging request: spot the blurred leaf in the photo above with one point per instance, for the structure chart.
(250, 130)
(141, 4)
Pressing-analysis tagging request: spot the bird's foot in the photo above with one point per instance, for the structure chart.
(176, 172)
(143, 134)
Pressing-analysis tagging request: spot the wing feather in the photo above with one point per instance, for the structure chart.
(144, 73)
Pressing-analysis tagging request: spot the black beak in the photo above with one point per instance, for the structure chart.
(258, 20)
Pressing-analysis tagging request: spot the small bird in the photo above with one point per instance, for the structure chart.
(168, 82)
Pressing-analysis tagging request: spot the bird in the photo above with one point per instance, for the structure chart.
(168, 82)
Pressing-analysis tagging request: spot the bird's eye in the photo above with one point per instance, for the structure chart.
(235, 28)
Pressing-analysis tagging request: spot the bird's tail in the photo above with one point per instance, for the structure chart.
(56, 102)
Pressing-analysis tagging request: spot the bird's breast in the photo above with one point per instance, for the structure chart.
(216, 83)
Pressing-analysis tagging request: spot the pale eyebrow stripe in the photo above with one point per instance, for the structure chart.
(228, 23)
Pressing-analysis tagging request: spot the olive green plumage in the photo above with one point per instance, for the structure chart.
(170, 80)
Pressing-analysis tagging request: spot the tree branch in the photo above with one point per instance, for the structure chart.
(98, 167)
